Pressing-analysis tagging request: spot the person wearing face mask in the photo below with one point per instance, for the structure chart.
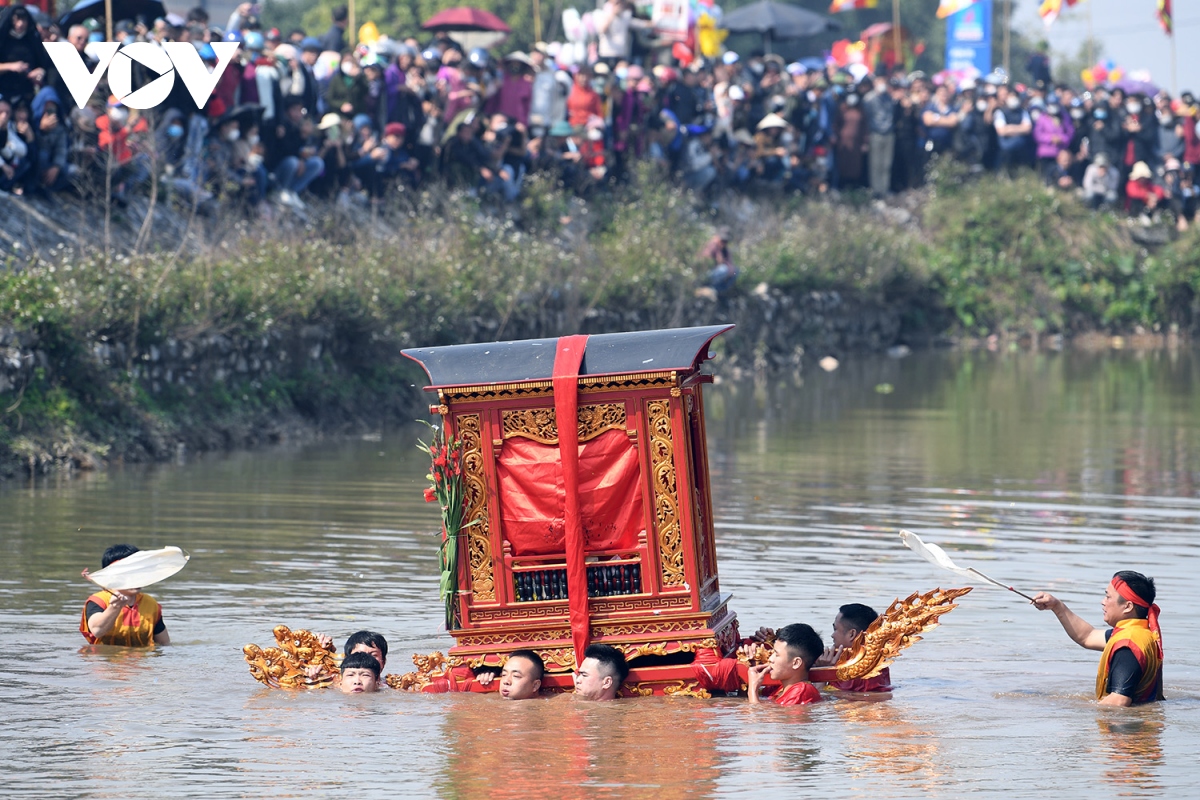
(849, 141)
(1052, 133)
(1170, 129)
(1013, 128)
(1139, 133)
(347, 90)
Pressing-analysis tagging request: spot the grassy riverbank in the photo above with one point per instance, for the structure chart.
(299, 323)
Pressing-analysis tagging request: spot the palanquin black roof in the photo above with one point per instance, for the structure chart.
(681, 349)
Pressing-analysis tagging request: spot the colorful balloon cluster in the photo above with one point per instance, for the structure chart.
(1108, 72)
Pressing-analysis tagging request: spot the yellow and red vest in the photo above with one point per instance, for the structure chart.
(1137, 636)
(134, 626)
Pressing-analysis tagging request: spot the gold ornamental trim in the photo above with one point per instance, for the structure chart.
(488, 639)
(429, 667)
(666, 495)
(479, 541)
(640, 628)
(600, 606)
(598, 383)
(562, 657)
(683, 689)
(540, 425)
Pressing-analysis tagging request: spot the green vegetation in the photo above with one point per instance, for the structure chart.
(981, 257)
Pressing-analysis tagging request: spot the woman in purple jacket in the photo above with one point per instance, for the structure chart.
(1051, 134)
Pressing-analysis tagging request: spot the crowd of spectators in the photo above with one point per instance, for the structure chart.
(296, 116)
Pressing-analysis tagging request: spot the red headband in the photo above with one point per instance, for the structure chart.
(1129, 594)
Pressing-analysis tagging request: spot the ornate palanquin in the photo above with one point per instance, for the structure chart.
(647, 580)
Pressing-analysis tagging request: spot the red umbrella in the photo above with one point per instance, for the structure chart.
(466, 19)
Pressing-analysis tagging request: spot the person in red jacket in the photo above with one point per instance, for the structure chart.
(583, 103)
(1145, 196)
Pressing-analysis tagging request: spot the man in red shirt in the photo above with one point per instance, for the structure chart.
(851, 620)
(797, 647)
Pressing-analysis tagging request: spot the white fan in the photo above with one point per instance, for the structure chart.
(143, 568)
(934, 554)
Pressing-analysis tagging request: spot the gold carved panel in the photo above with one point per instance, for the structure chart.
(666, 495)
(539, 423)
(511, 638)
(479, 542)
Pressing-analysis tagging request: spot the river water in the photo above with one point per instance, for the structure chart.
(1050, 471)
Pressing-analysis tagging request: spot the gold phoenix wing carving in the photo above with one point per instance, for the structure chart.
(879, 645)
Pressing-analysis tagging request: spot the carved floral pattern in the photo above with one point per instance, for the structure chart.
(479, 541)
(666, 496)
(539, 423)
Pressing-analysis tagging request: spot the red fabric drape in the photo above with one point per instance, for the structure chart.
(533, 498)
(567, 359)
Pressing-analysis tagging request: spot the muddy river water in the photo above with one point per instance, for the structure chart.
(1050, 471)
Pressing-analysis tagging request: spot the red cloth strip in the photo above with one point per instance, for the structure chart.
(1151, 617)
(567, 359)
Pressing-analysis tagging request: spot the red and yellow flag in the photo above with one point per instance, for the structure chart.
(1049, 9)
(1164, 17)
(948, 7)
(851, 5)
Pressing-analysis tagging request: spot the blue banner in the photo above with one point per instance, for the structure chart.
(969, 39)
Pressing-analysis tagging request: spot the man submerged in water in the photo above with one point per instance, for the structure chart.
(796, 648)
(601, 673)
(127, 619)
(851, 620)
(359, 674)
(521, 678)
(1131, 667)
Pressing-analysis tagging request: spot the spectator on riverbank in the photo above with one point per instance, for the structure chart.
(15, 160)
(723, 124)
(291, 153)
(1100, 183)
(23, 59)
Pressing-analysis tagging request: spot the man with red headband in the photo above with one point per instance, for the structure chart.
(1131, 667)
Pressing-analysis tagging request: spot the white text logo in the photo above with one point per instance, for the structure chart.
(167, 60)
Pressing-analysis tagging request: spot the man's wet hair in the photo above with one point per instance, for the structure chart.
(539, 666)
(119, 551)
(1142, 586)
(369, 638)
(340, 14)
(610, 659)
(804, 640)
(858, 616)
(361, 661)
